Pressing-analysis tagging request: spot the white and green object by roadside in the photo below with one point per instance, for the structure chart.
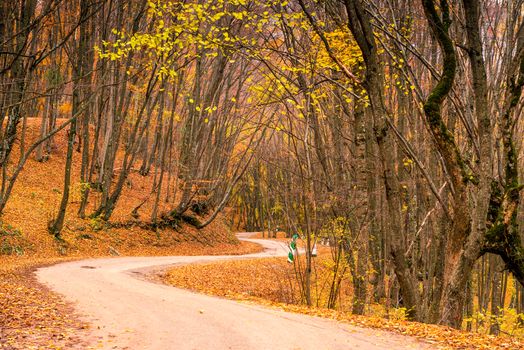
(314, 252)
(292, 249)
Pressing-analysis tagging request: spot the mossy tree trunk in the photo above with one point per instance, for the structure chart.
(465, 243)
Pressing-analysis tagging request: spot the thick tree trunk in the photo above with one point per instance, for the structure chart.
(459, 260)
(360, 25)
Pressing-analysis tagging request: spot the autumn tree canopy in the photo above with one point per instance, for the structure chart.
(389, 130)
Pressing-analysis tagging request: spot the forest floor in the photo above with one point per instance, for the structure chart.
(272, 282)
(33, 317)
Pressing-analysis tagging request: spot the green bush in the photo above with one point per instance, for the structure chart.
(11, 240)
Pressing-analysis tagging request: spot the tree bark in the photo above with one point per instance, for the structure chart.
(360, 25)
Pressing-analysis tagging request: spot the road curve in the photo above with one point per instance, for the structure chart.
(127, 311)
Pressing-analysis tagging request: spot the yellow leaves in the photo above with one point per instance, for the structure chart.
(179, 25)
(343, 47)
(217, 16)
(408, 162)
(65, 108)
(238, 15)
(211, 109)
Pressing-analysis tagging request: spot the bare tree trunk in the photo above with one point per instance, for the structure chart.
(56, 226)
(360, 25)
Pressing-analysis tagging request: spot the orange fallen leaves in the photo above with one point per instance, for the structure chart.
(32, 317)
(269, 282)
(244, 279)
(36, 198)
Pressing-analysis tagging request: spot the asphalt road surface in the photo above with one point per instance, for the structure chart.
(128, 311)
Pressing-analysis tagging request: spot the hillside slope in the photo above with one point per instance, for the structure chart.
(36, 198)
(32, 317)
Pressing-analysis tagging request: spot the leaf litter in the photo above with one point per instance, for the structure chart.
(269, 281)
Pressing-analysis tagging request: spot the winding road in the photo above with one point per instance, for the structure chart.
(128, 311)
